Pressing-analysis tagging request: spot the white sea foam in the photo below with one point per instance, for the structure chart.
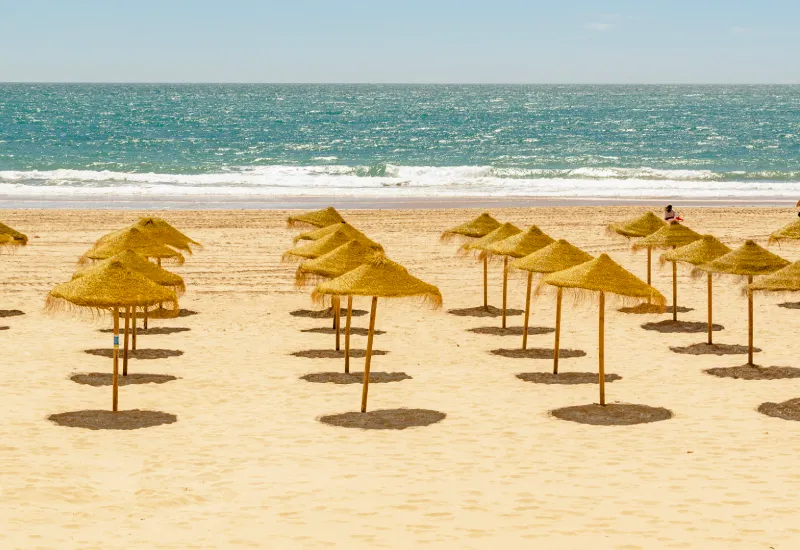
(402, 181)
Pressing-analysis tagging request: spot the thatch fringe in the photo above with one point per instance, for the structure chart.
(581, 296)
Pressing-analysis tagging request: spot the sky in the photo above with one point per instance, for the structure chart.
(408, 41)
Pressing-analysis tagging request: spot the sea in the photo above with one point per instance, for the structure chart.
(382, 142)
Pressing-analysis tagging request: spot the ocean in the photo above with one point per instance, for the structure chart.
(207, 141)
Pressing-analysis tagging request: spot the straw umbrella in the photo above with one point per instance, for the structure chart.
(475, 229)
(604, 276)
(379, 278)
(637, 228)
(700, 252)
(110, 288)
(671, 235)
(335, 264)
(16, 236)
(132, 238)
(789, 232)
(749, 260)
(132, 261)
(556, 256)
(158, 230)
(480, 247)
(318, 218)
(317, 234)
(517, 246)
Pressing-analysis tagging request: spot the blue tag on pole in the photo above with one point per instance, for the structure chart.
(116, 341)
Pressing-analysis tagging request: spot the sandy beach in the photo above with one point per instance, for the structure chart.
(248, 464)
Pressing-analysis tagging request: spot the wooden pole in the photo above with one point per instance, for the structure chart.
(601, 341)
(749, 321)
(146, 315)
(527, 311)
(674, 291)
(486, 283)
(369, 354)
(649, 262)
(505, 287)
(337, 320)
(347, 334)
(125, 352)
(133, 335)
(557, 348)
(115, 376)
(710, 323)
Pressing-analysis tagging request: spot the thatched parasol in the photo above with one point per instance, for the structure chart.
(322, 232)
(7, 240)
(749, 260)
(605, 276)
(479, 246)
(315, 249)
(111, 287)
(329, 266)
(636, 228)
(318, 218)
(383, 278)
(517, 246)
(700, 252)
(164, 233)
(672, 235)
(556, 256)
(16, 236)
(475, 229)
(789, 232)
(132, 238)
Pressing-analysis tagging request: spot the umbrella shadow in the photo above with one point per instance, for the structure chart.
(108, 420)
(153, 331)
(325, 313)
(98, 379)
(790, 305)
(754, 372)
(613, 414)
(357, 331)
(10, 313)
(650, 309)
(788, 410)
(510, 331)
(565, 378)
(162, 314)
(354, 377)
(386, 419)
(4, 328)
(538, 353)
(335, 354)
(712, 349)
(481, 311)
(137, 353)
(687, 327)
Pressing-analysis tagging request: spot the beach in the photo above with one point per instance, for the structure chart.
(248, 464)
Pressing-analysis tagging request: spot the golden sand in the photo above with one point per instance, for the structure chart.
(247, 464)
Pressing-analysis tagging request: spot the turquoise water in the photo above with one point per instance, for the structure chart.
(398, 140)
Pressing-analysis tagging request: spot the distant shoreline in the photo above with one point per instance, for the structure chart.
(366, 203)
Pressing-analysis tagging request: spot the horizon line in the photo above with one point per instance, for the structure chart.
(365, 83)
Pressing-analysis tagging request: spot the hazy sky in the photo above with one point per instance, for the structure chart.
(527, 41)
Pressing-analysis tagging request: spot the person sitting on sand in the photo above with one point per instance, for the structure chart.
(670, 215)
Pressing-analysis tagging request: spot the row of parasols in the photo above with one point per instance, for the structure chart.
(122, 274)
(354, 265)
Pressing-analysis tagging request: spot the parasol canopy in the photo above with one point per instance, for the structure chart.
(318, 218)
(315, 249)
(380, 277)
(16, 236)
(475, 229)
(671, 235)
(323, 232)
(748, 260)
(556, 256)
(335, 263)
(603, 274)
(132, 261)
(111, 286)
(520, 244)
(786, 279)
(134, 239)
(503, 232)
(636, 228)
(706, 249)
(787, 232)
(164, 233)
